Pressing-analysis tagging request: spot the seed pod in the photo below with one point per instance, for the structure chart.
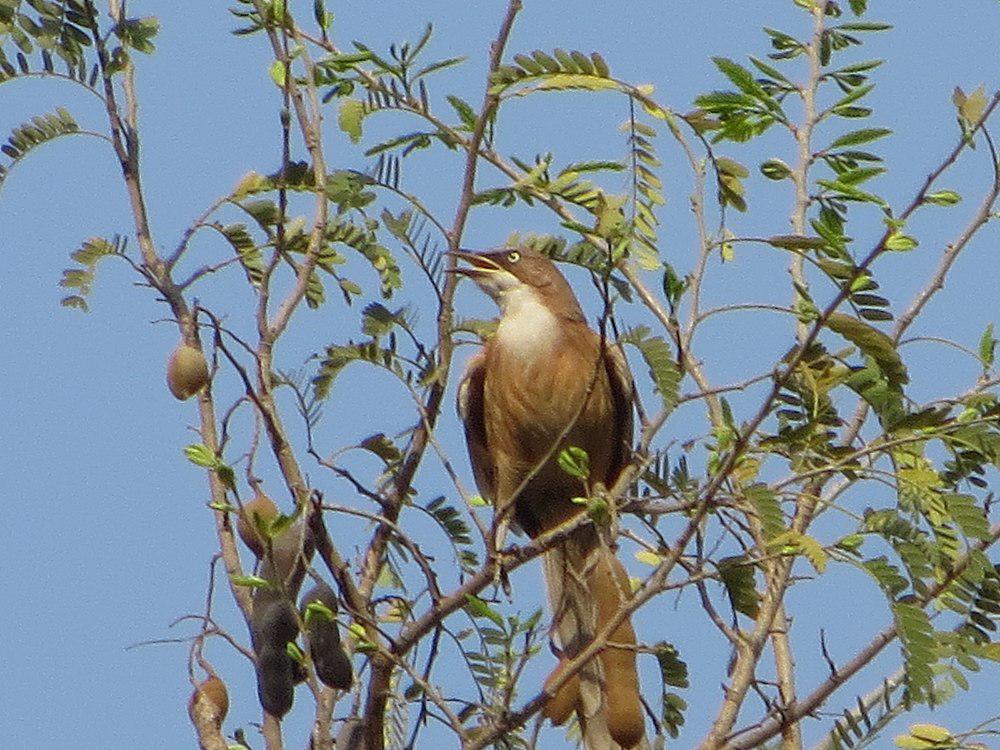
(273, 624)
(210, 699)
(272, 627)
(331, 662)
(187, 372)
(263, 508)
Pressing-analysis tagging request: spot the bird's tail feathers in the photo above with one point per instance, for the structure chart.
(586, 587)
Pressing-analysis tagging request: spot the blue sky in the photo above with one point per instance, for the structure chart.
(107, 538)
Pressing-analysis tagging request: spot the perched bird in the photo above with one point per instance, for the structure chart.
(543, 382)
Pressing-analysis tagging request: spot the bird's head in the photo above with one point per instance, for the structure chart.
(513, 276)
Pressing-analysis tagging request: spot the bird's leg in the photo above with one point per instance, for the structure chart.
(501, 527)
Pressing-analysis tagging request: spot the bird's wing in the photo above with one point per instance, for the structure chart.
(623, 398)
(471, 412)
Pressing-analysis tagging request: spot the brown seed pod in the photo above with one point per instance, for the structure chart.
(187, 372)
(209, 700)
(264, 508)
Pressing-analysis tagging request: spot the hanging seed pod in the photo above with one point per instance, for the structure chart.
(210, 698)
(264, 509)
(187, 372)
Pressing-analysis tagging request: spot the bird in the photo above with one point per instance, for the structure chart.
(546, 381)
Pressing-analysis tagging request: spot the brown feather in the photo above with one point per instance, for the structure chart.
(470, 409)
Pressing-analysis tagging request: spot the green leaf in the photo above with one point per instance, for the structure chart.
(849, 112)
(480, 609)
(350, 116)
(138, 33)
(434, 67)
(250, 582)
(337, 357)
(673, 670)
(226, 475)
(765, 503)
(925, 737)
(968, 515)
(770, 70)
(246, 250)
(75, 300)
(859, 137)
(797, 242)
(775, 169)
(277, 73)
(673, 286)
(987, 346)
(916, 635)
(464, 111)
(802, 544)
(40, 129)
(873, 343)
(450, 520)
(200, 455)
(865, 26)
(899, 242)
(971, 108)
(568, 82)
(600, 66)
(362, 240)
(943, 198)
(347, 60)
(663, 370)
(886, 575)
(744, 80)
(317, 612)
(382, 447)
(673, 713)
(724, 101)
(323, 17)
(377, 320)
(567, 70)
(731, 167)
(574, 461)
(82, 279)
(738, 576)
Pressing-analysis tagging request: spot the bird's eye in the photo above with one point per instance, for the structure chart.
(513, 256)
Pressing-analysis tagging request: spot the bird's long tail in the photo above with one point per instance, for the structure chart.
(586, 587)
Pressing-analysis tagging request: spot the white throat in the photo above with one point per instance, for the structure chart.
(527, 327)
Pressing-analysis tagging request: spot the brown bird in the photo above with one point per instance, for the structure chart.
(543, 382)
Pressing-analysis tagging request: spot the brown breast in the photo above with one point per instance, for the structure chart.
(528, 404)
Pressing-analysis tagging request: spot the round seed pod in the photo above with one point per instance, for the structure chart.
(187, 372)
(264, 508)
(210, 699)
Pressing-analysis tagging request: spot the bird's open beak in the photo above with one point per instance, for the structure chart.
(479, 265)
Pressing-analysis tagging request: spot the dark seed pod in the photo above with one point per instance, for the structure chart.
(331, 662)
(272, 628)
